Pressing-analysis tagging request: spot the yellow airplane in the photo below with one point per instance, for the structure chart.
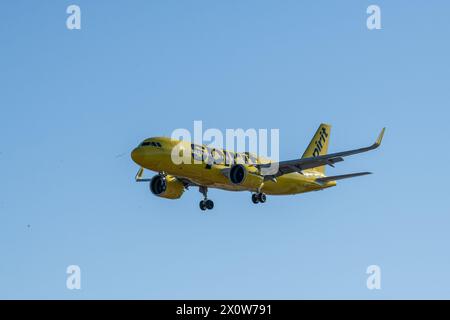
(222, 169)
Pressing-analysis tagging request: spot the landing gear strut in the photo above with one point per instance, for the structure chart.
(258, 197)
(205, 203)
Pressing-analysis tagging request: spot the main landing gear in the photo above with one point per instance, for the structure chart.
(205, 204)
(258, 197)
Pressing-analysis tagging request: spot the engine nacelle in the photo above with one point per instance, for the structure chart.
(166, 187)
(240, 175)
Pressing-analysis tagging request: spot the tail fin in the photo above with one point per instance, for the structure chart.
(318, 145)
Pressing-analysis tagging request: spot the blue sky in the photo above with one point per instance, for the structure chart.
(73, 104)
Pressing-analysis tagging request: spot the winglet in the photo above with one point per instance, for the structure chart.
(380, 137)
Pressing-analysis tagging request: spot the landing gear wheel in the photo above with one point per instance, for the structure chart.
(205, 204)
(255, 198)
(262, 197)
(209, 204)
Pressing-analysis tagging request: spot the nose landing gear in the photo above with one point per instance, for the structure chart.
(205, 204)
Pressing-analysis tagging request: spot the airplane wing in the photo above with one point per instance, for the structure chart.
(298, 165)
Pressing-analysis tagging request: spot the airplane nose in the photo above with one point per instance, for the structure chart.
(136, 155)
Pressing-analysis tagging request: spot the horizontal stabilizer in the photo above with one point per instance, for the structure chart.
(344, 176)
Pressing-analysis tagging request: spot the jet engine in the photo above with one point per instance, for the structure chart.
(166, 187)
(240, 175)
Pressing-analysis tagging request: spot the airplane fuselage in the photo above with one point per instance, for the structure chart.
(156, 154)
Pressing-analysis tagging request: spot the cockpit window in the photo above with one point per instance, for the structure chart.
(151, 143)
